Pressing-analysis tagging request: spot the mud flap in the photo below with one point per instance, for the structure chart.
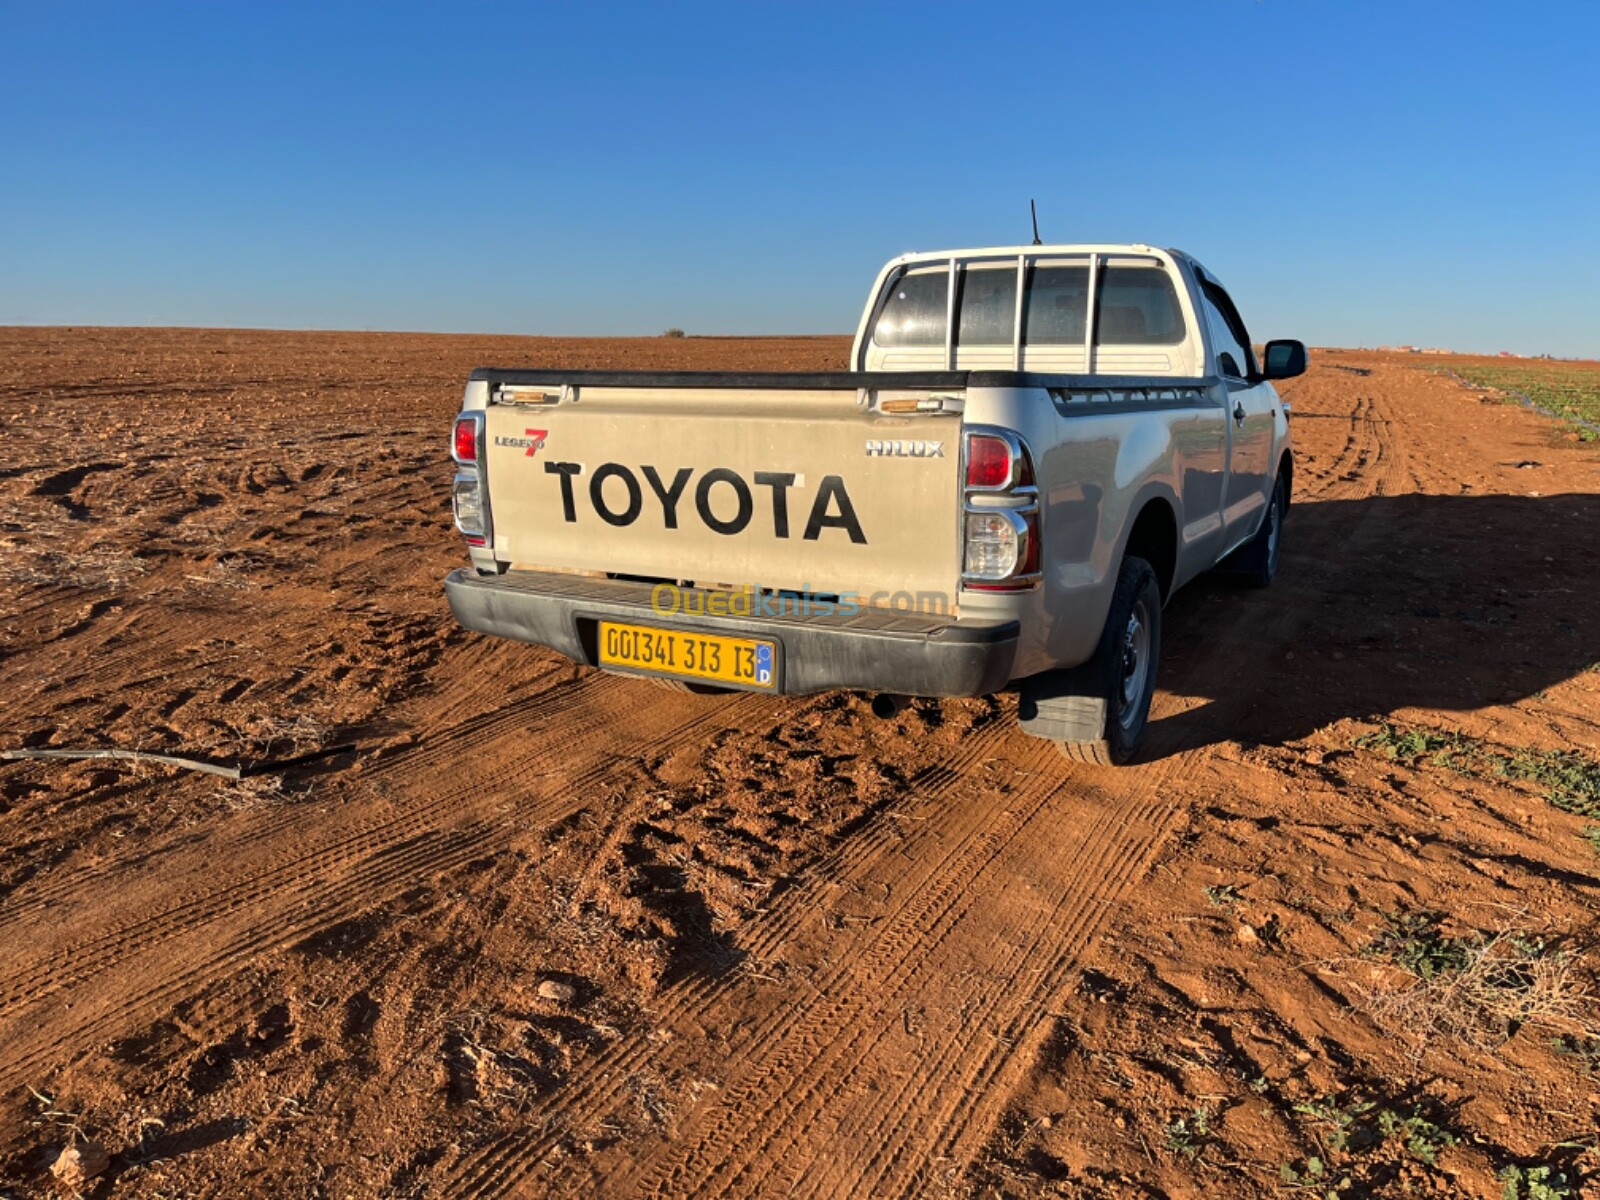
(1065, 705)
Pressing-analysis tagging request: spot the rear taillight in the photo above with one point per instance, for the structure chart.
(996, 463)
(468, 500)
(1001, 544)
(465, 445)
(988, 462)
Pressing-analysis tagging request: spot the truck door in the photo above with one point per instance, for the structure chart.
(1251, 412)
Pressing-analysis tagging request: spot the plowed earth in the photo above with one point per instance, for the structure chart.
(804, 952)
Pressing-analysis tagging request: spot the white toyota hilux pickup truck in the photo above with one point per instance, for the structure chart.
(1034, 447)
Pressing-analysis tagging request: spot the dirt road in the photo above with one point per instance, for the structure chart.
(555, 932)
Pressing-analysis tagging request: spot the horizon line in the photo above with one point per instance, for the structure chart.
(1388, 348)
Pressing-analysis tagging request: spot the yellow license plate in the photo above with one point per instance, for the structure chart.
(744, 662)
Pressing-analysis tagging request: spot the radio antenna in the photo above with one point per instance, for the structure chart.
(1035, 213)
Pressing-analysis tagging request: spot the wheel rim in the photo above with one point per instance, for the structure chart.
(1135, 663)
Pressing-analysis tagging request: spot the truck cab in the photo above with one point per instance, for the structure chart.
(1027, 309)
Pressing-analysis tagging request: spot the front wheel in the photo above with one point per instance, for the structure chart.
(1256, 562)
(1096, 713)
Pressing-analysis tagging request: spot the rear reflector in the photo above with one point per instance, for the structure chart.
(988, 462)
(466, 440)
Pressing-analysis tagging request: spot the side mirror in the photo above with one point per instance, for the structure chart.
(1283, 359)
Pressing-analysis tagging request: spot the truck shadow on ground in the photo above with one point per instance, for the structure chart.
(1451, 603)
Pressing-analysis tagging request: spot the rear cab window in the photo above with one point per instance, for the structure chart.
(1136, 306)
(1056, 304)
(916, 309)
(987, 304)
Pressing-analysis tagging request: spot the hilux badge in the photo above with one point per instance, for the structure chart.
(904, 449)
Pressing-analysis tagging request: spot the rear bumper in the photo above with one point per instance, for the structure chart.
(909, 654)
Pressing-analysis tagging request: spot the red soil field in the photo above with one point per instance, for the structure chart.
(554, 932)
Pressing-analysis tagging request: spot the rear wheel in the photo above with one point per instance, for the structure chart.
(1097, 712)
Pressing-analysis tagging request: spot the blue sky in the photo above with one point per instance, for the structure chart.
(1357, 173)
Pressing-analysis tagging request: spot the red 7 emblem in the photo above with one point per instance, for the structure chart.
(538, 440)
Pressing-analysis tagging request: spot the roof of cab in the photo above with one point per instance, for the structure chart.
(1048, 248)
(1045, 250)
(1053, 248)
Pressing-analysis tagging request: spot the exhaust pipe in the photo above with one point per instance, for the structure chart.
(886, 705)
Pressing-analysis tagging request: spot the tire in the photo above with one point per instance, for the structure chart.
(1096, 713)
(1256, 562)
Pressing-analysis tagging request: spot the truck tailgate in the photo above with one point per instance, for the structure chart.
(790, 489)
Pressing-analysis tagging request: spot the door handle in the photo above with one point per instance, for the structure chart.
(1238, 412)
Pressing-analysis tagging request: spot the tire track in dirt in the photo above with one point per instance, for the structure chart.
(503, 1163)
(920, 923)
(607, 1076)
(969, 1099)
(295, 860)
(379, 876)
(269, 826)
(1369, 463)
(292, 900)
(842, 1049)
